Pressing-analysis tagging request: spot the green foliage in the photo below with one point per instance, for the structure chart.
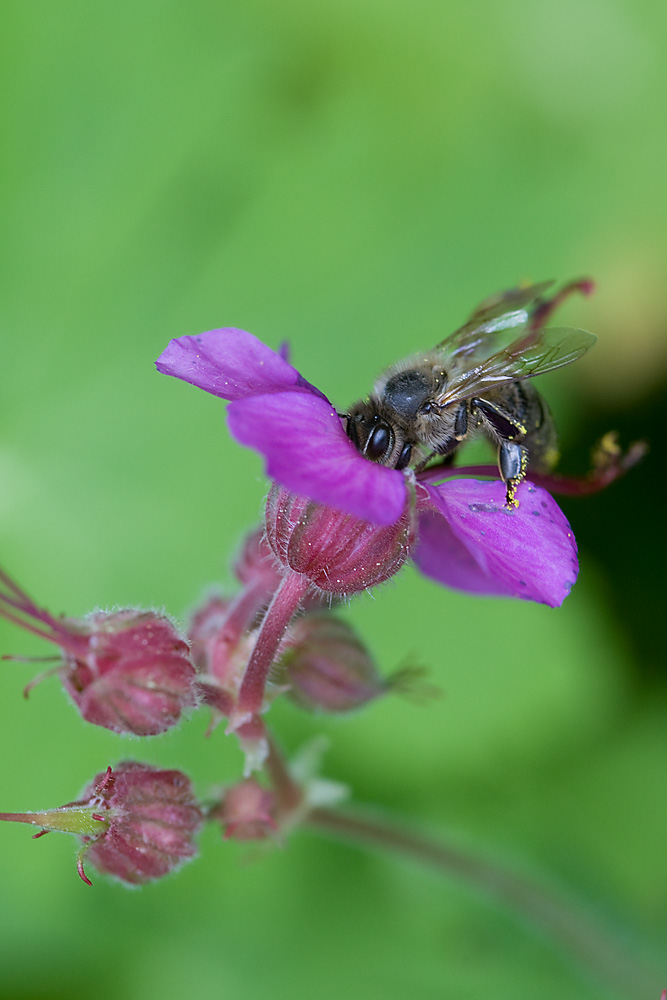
(355, 178)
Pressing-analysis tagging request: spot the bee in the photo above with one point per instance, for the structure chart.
(430, 404)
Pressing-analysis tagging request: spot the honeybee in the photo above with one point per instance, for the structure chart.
(429, 404)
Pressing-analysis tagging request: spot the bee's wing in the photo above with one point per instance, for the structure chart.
(503, 311)
(533, 354)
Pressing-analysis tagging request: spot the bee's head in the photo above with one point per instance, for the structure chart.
(375, 437)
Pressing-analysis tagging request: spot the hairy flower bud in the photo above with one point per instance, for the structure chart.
(246, 811)
(205, 626)
(153, 818)
(327, 666)
(257, 567)
(136, 677)
(136, 822)
(128, 671)
(256, 563)
(339, 553)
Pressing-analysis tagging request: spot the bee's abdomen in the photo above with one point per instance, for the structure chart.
(521, 415)
(540, 437)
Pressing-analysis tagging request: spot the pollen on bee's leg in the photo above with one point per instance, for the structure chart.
(511, 502)
(513, 463)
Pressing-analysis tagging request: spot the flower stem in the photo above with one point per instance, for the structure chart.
(564, 921)
(281, 610)
(66, 819)
(289, 794)
(242, 610)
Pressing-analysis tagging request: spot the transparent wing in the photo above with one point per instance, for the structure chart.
(503, 311)
(533, 354)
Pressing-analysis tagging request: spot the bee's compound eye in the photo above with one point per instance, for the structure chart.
(378, 442)
(405, 456)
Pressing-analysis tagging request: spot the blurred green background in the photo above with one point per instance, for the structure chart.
(353, 177)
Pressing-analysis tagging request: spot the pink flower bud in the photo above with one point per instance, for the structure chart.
(246, 811)
(128, 671)
(152, 819)
(257, 567)
(256, 563)
(339, 553)
(136, 823)
(205, 626)
(327, 666)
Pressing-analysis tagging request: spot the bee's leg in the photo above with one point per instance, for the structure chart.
(506, 427)
(447, 449)
(461, 422)
(512, 462)
(512, 455)
(449, 446)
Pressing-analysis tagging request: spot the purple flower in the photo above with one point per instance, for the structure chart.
(466, 537)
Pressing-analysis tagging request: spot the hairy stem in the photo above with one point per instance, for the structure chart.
(281, 610)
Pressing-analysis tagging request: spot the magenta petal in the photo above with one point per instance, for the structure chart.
(306, 450)
(232, 364)
(470, 541)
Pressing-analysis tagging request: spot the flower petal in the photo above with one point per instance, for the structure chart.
(307, 450)
(232, 364)
(470, 541)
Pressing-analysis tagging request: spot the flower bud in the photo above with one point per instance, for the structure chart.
(128, 671)
(257, 566)
(339, 553)
(246, 811)
(220, 651)
(256, 563)
(136, 677)
(205, 627)
(136, 823)
(327, 666)
(153, 818)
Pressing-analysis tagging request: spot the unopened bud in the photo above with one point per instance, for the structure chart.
(256, 563)
(205, 627)
(327, 666)
(246, 812)
(258, 567)
(337, 552)
(128, 671)
(136, 822)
